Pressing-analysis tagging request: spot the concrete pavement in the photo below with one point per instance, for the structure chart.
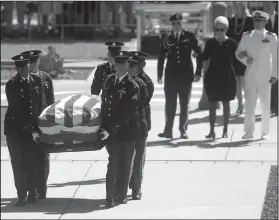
(194, 179)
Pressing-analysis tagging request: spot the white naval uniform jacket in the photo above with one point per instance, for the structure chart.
(262, 47)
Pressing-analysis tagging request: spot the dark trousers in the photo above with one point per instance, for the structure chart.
(24, 164)
(139, 161)
(118, 174)
(274, 97)
(184, 94)
(43, 169)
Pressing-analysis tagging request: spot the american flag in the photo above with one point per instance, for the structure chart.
(74, 119)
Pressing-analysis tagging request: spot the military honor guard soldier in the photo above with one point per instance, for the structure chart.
(178, 45)
(43, 155)
(120, 126)
(258, 51)
(148, 81)
(25, 103)
(145, 122)
(140, 141)
(105, 69)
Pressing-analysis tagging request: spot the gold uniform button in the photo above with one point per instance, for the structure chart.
(30, 113)
(108, 114)
(178, 57)
(30, 106)
(178, 61)
(21, 90)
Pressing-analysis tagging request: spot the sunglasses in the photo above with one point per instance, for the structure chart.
(219, 29)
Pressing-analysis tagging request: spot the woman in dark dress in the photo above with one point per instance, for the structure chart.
(219, 79)
(239, 23)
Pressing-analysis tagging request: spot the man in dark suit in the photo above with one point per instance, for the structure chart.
(43, 155)
(178, 44)
(272, 26)
(105, 69)
(25, 103)
(120, 126)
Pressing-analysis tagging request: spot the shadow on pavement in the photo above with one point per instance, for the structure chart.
(82, 183)
(243, 143)
(191, 111)
(234, 119)
(55, 206)
(172, 143)
(207, 143)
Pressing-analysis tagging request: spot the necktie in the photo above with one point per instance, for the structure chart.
(176, 38)
(117, 81)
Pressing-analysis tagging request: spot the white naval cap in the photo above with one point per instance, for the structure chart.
(260, 15)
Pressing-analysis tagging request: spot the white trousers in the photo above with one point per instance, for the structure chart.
(252, 91)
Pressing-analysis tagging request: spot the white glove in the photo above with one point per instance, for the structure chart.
(103, 134)
(36, 137)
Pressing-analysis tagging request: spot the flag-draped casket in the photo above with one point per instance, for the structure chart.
(72, 121)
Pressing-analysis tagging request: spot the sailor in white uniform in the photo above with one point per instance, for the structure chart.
(258, 51)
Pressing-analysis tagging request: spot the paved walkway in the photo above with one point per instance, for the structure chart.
(194, 179)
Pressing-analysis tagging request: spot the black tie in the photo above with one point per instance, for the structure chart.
(117, 81)
(176, 38)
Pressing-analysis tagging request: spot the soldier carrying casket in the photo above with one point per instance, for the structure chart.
(120, 125)
(105, 69)
(25, 103)
(43, 156)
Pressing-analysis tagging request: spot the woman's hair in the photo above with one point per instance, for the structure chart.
(221, 20)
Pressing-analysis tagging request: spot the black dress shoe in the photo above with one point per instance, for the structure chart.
(21, 202)
(110, 203)
(210, 135)
(165, 135)
(32, 197)
(225, 134)
(184, 136)
(136, 196)
(42, 196)
(123, 201)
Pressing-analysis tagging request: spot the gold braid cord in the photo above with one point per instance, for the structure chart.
(167, 41)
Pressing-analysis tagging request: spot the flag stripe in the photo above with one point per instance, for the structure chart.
(59, 110)
(91, 123)
(68, 111)
(74, 130)
(50, 113)
(94, 107)
(62, 138)
(79, 112)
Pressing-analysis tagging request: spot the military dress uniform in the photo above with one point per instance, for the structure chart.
(178, 74)
(105, 69)
(25, 103)
(149, 83)
(43, 155)
(261, 45)
(146, 86)
(121, 121)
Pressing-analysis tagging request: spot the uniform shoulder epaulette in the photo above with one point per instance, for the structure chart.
(271, 33)
(134, 83)
(188, 31)
(247, 32)
(102, 65)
